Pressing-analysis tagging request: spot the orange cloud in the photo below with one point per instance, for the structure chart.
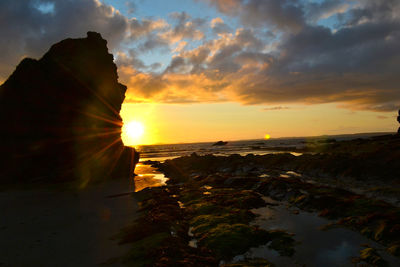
(236, 67)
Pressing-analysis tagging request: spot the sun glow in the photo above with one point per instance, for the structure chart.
(132, 133)
(267, 136)
(145, 115)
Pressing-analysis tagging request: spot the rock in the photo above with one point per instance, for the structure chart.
(228, 240)
(248, 262)
(60, 115)
(220, 143)
(398, 119)
(371, 256)
(241, 182)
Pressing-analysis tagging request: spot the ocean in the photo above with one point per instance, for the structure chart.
(244, 147)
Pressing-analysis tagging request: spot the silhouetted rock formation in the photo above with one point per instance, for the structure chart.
(398, 119)
(60, 115)
(220, 143)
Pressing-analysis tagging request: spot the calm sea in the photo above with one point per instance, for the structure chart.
(256, 147)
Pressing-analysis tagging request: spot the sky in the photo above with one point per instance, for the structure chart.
(209, 70)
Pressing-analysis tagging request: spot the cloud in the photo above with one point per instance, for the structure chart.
(180, 47)
(185, 28)
(382, 117)
(161, 35)
(128, 59)
(276, 108)
(28, 30)
(277, 14)
(131, 7)
(322, 10)
(373, 11)
(30, 27)
(280, 53)
(354, 66)
(140, 28)
(226, 6)
(219, 27)
(152, 42)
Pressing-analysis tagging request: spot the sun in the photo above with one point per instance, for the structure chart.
(132, 132)
(134, 129)
(267, 136)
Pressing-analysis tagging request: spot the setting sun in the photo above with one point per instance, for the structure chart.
(267, 136)
(132, 133)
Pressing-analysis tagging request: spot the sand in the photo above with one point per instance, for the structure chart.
(50, 227)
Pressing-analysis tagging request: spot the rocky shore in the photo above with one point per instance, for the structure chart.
(205, 215)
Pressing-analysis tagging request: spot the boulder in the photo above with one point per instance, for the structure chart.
(60, 115)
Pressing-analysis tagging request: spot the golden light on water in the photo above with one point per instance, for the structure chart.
(132, 133)
(267, 136)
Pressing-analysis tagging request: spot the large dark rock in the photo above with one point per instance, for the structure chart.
(60, 115)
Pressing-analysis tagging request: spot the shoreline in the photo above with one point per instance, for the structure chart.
(203, 192)
(212, 209)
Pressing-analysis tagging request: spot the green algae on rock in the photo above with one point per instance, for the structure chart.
(370, 256)
(227, 240)
(282, 242)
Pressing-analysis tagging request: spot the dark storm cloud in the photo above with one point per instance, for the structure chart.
(321, 10)
(373, 11)
(152, 42)
(280, 14)
(356, 64)
(129, 59)
(178, 64)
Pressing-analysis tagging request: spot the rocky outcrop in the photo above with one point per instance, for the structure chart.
(220, 143)
(60, 115)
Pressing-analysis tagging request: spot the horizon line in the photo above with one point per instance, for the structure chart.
(272, 138)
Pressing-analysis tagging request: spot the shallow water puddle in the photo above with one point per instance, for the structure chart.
(334, 247)
(148, 176)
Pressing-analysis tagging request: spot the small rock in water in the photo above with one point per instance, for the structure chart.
(220, 143)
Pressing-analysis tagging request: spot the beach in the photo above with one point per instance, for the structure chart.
(273, 209)
(56, 225)
(310, 203)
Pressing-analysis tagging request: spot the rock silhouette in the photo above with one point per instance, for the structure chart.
(60, 115)
(398, 119)
(220, 143)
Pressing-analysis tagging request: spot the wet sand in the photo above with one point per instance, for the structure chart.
(53, 227)
(148, 176)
